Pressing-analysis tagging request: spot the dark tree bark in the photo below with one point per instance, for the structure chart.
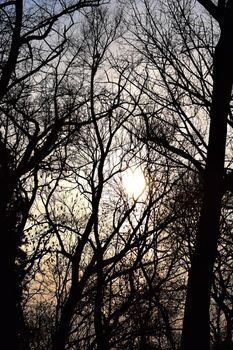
(196, 324)
(8, 243)
(18, 36)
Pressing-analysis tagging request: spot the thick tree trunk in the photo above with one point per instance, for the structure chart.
(196, 324)
(9, 310)
(8, 318)
(11, 319)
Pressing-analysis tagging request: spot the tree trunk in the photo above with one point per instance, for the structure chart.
(9, 316)
(196, 324)
(11, 319)
(100, 331)
(61, 336)
(62, 333)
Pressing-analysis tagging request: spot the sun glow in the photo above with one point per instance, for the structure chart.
(134, 183)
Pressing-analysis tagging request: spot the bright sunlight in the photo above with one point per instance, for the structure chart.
(134, 182)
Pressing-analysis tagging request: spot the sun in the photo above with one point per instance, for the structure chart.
(134, 182)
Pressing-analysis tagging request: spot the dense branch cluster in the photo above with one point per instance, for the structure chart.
(91, 94)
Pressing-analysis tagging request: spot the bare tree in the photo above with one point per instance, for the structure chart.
(112, 246)
(185, 70)
(34, 36)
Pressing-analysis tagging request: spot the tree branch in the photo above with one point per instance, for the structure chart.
(211, 8)
(14, 51)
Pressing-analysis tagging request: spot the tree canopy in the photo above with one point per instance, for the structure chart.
(116, 174)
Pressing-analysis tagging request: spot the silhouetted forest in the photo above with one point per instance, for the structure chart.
(116, 174)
